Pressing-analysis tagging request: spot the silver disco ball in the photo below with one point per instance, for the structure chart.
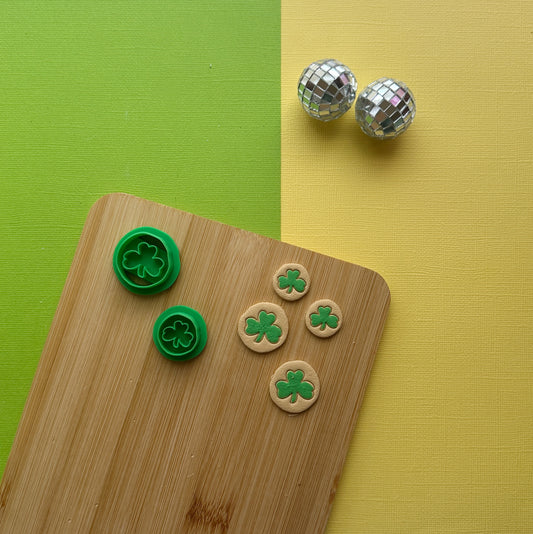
(326, 89)
(385, 108)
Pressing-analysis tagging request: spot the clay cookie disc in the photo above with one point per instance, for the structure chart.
(294, 387)
(263, 327)
(323, 318)
(291, 281)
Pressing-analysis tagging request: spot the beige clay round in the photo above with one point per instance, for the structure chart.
(263, 327)
(291, 281)
(323, 318)
(294, 387)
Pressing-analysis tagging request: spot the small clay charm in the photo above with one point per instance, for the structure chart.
(294, 387)
(263, 327)
(291, 281)
(323, 318)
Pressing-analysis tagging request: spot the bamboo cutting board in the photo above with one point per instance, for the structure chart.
(117, 438)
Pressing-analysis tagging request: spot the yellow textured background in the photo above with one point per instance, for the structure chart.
(444, 441)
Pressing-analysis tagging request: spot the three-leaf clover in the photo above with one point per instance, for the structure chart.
(292, 281)
(324, 317)
(294, 386)
(178, 334)
(264, 327)
(144, 260)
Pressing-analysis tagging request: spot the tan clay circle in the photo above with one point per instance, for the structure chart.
(291, 293)
(300, 404)
(323, 330)
(264, 345)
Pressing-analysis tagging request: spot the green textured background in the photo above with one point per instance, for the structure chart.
(174, 101)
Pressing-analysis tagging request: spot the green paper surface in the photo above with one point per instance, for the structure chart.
(177, 102)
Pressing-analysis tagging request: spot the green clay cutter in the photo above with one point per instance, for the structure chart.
(180, 333)
(146, 261)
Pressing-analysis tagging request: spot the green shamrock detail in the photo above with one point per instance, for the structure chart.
(145, 260)
(324, 317)
(292, 281)
(264, 327)
(294, 386)
(178, 334)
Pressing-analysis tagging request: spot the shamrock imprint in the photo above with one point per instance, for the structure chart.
(294, 386)
(145, 260)
(323, 318)
(291, 281)
(178, 334)
(263, 327)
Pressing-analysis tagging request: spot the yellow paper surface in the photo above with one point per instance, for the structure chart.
(444, 441)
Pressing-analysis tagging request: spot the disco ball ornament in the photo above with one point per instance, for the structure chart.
(326, 89)
(385, 108)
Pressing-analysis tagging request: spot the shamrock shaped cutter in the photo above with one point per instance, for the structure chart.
(146, 261)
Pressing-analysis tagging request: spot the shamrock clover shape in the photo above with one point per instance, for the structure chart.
(324, 318)
(178, 334)
(294, 386)
(263, 327)
(144, 261)
(292, 281)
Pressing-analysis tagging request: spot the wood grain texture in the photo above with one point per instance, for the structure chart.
(116, 438)
(170, 100)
